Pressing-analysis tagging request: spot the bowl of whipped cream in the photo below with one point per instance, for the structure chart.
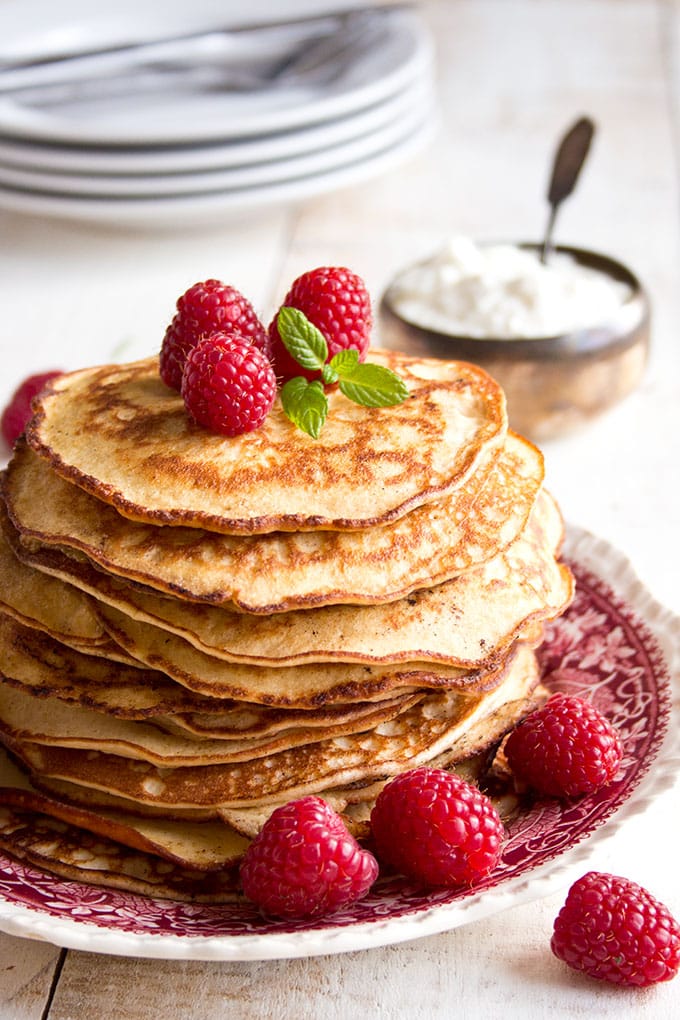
(567, 337)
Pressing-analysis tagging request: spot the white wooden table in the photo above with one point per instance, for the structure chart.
(512, 75)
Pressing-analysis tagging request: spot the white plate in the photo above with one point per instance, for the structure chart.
(409, 117)
(176, 210)
(168, 119)
(217, 156)
(547, 847)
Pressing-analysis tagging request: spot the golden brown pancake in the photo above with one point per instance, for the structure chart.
(479, 616)
(45, 603)
(272, 573)
(442, 722)
(353, 801)
(417, 628)
(120, 433)
(259, 720)
(32, 659)
(41, 667)
(93, 799)
(205, 846)
(311, 685)
(57, 724)
(75, 854)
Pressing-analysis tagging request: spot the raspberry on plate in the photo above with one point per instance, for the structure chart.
(616, 931)
(16, 415)
(336, 301)
(432, 826)
(207, 307)
(305, 863)
(564, 749)
(228, 385)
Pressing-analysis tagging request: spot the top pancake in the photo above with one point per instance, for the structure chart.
(119, 433)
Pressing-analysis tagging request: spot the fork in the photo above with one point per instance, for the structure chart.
(322, 48)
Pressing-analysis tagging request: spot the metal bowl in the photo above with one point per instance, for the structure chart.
(553, 384)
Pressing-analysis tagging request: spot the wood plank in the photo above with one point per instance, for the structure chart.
(26, 972)
(502, 966)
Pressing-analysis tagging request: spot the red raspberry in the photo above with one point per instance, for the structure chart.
(16, 415)
(228, 385)
(565, 748)
(432, 826)
(337, 302)
(304, 862)
(614, 930)
(208, 307)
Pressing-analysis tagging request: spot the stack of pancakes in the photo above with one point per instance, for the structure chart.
(195, 629)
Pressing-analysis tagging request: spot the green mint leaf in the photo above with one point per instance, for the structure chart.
(305, 404)
(329, 375)
(302, 339)
(374, 386)
(345, 362)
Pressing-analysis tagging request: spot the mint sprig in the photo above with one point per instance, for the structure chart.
(302, 339)
(305, 402)
(373, 386)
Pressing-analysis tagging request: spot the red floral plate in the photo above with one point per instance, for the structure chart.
(615, 645)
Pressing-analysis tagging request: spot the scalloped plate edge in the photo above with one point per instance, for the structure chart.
(612, 566)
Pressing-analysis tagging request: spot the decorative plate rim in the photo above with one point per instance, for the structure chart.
(616, 571)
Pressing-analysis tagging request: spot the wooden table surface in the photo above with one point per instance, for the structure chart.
(512, 74)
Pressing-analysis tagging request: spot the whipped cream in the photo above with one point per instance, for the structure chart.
(504, 292)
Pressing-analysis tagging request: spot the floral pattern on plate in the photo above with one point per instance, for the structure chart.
(602, 649)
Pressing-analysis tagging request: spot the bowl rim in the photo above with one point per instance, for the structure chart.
(618, 331)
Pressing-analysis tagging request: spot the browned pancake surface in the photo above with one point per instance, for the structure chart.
(431, 727)
(121, 434)
(282, 571)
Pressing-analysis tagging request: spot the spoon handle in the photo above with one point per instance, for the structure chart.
(569, 159)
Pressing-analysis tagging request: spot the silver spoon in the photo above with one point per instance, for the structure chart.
(569, 158)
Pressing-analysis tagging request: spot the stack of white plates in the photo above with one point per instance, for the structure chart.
(193, 148)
